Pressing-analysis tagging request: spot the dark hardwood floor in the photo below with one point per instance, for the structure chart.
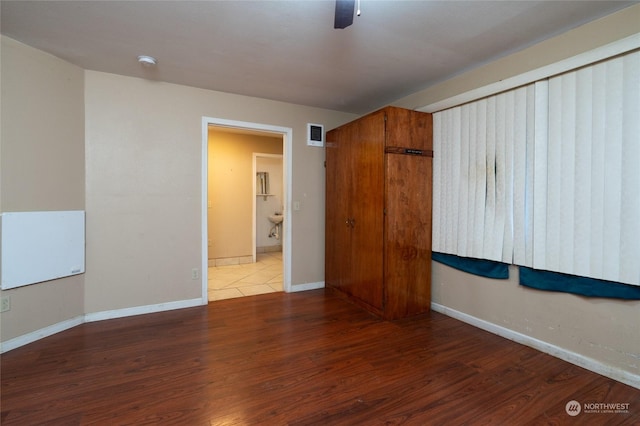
(295, 359)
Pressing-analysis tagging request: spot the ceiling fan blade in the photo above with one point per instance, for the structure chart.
(344, 13)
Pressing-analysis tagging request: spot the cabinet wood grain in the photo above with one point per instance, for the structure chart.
(378, 211)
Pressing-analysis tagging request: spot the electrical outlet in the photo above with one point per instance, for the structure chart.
(195, 274)
(6, 304)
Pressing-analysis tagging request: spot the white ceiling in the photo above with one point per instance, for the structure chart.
(289, 50)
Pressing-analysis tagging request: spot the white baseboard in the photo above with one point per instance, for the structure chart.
(307, 286)
(25, 339)
(558, 352)
(139, 310)
(97, 316)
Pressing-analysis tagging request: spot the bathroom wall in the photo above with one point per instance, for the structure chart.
(231, 195)
(266, 206)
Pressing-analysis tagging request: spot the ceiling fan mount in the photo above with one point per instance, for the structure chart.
(344, 13)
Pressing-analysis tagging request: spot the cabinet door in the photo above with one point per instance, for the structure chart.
(407, 235)
(354, 210)
(409, 129)
(366, 202)
(337, 231)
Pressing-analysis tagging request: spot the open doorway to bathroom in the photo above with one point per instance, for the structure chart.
(240, 260)
(269, 205)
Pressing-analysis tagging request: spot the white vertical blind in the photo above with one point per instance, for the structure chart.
(546, 175)
(523, 166)
(480, 159)
(587, 176)
(630, 191)
(539, 219)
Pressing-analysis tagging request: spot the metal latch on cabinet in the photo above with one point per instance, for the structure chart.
(408, 151)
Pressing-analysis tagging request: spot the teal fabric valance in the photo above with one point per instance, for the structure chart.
(482, 267)
(590, 287)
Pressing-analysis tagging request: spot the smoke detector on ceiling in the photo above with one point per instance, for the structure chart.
(147, 61)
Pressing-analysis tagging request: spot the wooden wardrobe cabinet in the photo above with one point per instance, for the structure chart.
(378, 212)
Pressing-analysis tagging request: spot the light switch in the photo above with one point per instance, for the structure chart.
(296, 205)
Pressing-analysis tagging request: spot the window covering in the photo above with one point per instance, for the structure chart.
(546, 175)
(587, 175)
(481, 175)
(554, 281)
(482, 267)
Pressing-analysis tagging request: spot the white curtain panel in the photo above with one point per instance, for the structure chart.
(546, 175)
(481, 175)
(587, 175)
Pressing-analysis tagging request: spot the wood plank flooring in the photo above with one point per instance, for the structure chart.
(306, 358)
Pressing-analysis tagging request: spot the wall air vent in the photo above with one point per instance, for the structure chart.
(315, 134)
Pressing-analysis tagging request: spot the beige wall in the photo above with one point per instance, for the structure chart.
(582, 39)
(41, 169)
(144, 148)
(231, 190)
(603, 330)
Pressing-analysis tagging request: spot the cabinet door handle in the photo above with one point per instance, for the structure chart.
(353, 223)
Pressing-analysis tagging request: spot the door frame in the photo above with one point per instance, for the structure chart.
(287, 138)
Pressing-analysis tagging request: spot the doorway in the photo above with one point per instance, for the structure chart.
(285, 134)
(267, 203)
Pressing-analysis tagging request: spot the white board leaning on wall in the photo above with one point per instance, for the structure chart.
(41, 246)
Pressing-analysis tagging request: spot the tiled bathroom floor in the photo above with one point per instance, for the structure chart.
(264, 276)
